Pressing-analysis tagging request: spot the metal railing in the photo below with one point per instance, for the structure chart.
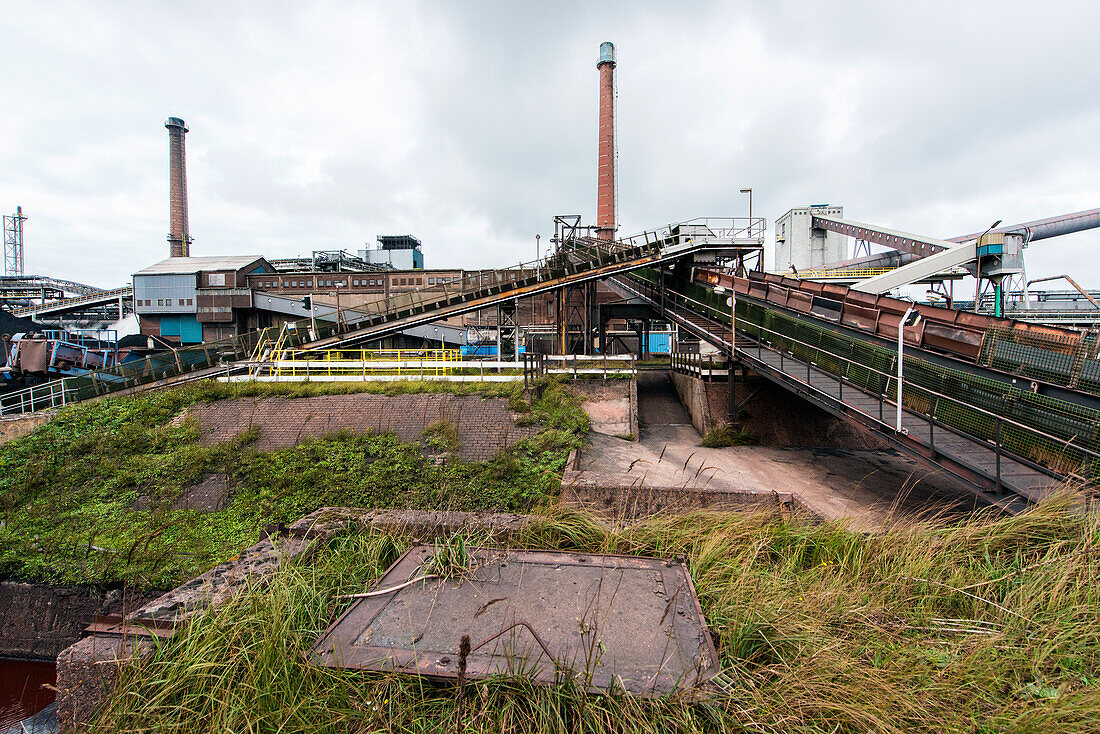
(918, 396)
(704, 366)
(364, 362)
(154, 368)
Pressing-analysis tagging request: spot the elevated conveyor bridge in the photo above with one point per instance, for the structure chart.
(1011, 409)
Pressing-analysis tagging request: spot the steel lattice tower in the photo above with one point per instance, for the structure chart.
(13, 242)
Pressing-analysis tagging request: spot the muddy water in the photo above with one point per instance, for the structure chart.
(21, 691)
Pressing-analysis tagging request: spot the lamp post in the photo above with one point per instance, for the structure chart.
(978, 271)
(911, 318)
(749, 192)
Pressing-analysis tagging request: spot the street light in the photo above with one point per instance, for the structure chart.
(749, 192)
(911, 318)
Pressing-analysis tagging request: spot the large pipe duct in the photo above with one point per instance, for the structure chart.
(1042, 229)
(605, 186)
(179, 240)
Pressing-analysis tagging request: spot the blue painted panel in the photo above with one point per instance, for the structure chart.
(184, 327)
(190, 330)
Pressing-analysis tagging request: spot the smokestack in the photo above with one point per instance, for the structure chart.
(179, 240)
(605, 186)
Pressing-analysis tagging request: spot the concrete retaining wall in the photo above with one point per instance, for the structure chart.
(38, 621)
(706, 402)
(20, 425)
(633, 502)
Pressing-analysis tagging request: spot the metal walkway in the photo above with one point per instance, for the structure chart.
(993, 472)
(77, 303)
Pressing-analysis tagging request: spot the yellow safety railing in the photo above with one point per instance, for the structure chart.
(345, 362)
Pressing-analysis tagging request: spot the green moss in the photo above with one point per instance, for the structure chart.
(70, 492)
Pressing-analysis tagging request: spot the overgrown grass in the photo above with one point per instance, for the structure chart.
(728, 435)
(69, 492)
(986, 626)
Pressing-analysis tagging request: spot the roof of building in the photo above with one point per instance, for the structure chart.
(188, 265)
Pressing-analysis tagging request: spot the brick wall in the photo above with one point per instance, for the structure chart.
(485, 425)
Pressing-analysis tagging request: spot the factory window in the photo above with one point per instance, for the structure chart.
(160, 301)
(190, 302)
(343, 283)
(286, 284)
(431, 281)
(355, 282)
(301, 284)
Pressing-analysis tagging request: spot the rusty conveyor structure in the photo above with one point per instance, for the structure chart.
(1011, 409)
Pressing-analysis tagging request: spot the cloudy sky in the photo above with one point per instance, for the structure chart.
(321, 125)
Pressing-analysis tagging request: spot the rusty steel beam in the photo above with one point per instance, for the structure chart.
(904, 241)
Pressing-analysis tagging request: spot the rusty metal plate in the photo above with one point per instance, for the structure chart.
(620, 623)
(130, 627)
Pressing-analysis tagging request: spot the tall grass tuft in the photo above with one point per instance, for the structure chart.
(991, 625)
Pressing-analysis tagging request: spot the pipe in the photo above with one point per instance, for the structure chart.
(901, 356)
(1041, 229)
(1071, 281)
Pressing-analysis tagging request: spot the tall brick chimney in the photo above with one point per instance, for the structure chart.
(605, 186)
(179, 240)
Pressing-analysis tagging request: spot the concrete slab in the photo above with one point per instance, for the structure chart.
(608, 622)
(869, 489)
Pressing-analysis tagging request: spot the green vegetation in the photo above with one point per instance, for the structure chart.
(727, 435)
(451, 557)
(442, 436)
(95, 495)
(981, 627)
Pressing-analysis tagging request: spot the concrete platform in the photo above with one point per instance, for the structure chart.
(667, 470)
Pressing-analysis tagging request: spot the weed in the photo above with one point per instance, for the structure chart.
(726, 435)
(442, 436)
(451, 557)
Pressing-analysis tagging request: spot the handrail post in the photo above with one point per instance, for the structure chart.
(932, 422)
(998, 450)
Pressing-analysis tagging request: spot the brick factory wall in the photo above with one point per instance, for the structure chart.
(485, 425)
